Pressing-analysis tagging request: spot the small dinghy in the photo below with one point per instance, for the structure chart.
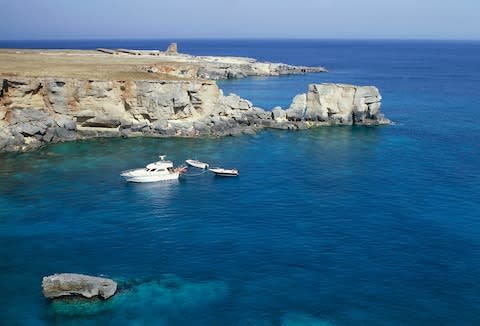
(197, 164)
(225, 172)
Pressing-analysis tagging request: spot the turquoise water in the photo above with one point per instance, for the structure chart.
(333, 226)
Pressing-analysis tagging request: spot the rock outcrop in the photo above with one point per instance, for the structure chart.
(241, 67)
(35, 111)
(66, 284)
(339, 104)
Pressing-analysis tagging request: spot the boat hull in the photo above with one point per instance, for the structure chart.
(152, 178)
(225, 172)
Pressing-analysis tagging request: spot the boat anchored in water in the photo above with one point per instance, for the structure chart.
(162, 170)
(197, 164)
(225, 172)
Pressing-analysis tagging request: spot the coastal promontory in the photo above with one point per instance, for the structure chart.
(49, 96)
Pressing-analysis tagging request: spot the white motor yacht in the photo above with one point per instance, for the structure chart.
(162, 170)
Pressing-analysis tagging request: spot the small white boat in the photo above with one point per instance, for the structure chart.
(162, 170)
(225, 172)
(197, 164)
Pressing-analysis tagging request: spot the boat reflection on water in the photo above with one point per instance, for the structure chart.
(153, 194)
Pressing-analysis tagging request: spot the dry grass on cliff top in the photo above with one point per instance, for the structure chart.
(81, 64)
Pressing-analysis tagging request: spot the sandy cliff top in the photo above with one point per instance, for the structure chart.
(83, 64)
(124, 64)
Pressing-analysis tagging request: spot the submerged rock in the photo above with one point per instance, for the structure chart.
(165, 296)
(67, 284)
(296, 318)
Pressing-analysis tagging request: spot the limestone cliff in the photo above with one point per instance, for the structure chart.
(35, 111)
(337, 104)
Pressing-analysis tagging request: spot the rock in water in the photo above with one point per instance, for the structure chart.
(67, 284)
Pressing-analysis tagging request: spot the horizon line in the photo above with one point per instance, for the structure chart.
(245, 39)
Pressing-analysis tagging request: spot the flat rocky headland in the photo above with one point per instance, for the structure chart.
(49, 96)
(124, 64)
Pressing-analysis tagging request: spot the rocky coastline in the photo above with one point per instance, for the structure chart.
(37, 111)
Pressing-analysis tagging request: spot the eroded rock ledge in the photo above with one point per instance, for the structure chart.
(36, 111)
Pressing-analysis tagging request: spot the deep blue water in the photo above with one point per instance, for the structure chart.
(332, 226)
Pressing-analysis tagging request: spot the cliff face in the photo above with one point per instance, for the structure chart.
(337, 104)
(35, 111)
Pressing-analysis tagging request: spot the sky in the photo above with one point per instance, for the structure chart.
(239, 19)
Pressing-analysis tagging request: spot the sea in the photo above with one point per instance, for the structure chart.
(331, 226)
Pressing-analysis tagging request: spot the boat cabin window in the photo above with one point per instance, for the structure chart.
(155, 170)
